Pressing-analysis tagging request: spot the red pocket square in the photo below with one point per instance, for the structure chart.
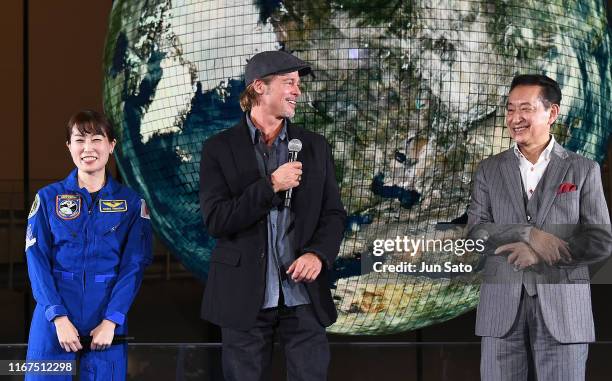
(566, 187)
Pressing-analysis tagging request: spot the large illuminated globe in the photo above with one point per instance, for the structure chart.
(410, 94)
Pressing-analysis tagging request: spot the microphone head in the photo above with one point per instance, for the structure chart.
(295, 145)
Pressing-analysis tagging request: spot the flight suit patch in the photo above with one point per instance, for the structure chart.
(68, 206)
(113, 206)
(34, 207)
(144, 210)
(30, 239)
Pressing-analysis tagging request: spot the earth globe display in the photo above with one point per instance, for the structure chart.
(410, 95)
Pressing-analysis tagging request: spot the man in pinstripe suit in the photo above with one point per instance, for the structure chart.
(544, 213)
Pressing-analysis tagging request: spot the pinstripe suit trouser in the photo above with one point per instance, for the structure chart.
(506, 358)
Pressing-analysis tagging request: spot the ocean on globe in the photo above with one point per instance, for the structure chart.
(410, 95)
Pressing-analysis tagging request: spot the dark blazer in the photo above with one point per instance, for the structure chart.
(235, 200)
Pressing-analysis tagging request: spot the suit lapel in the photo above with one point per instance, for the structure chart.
(512, 178)
(554, 174)
(244, 154)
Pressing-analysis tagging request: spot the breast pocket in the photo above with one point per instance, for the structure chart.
(310, 191)
(68, 242)
(565, 208)
(66, 233)
(311, 177)
(110, 237)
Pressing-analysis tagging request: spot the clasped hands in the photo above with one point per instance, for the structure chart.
(543, 247)
(68, 335)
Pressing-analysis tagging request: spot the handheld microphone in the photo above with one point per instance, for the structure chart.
(295, 146)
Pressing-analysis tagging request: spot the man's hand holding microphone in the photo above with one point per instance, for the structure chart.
(286, 176)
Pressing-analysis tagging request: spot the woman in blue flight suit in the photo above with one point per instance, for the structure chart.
(88, 241)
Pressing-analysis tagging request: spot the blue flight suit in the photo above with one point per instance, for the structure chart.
(85, 261)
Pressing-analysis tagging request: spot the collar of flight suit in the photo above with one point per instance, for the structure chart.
(110, 188)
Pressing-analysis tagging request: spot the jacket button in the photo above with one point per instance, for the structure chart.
(262, 255)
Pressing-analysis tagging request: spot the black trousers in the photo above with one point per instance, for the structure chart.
(247, 354)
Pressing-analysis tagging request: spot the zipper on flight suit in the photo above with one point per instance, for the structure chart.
(90, 210)
(89, 214)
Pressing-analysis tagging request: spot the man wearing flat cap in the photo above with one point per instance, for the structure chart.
(278, 225)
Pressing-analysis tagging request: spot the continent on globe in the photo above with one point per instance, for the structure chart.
(411, 95)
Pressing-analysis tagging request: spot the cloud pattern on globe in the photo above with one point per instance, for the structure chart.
(410, 95)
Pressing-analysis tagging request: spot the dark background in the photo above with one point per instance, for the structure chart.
(51, 66)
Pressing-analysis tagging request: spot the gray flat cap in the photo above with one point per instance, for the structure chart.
(273, 62)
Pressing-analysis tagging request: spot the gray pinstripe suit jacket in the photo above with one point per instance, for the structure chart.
(580, 217)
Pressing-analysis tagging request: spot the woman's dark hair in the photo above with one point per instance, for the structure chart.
(90, 122)
(550, 92)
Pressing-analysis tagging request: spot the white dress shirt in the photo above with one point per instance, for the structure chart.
(532, 173)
